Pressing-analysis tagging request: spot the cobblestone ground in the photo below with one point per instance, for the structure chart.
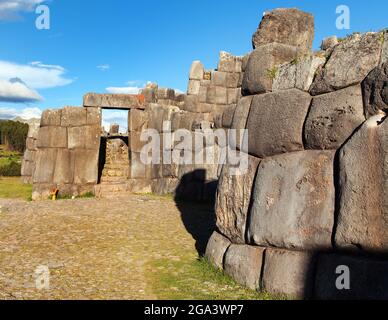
(94, 249)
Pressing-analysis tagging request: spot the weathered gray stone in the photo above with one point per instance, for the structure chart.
(288, 273)
(64, 167)
(33, 131)
(233, 95)
(350, 62)
(228, 63)
(52, 137)
(116, 101)
(139, 170)
(329, 42)
(232, 79)
(233, 200)
(137, 120)
(157, 114)
(93, 137)
(202, 94)
(263, 66)
(194, 87)
(216, 249)
(244, 265)
(219, 78)
(240, 121)
(293, 201)
(76, 137)
(196, 71)
(166, 93)
(27, 169)
(93, 116)
(51, 118)
(298, 74)
(227, 117)
(333, 118)
(86, 166)
(363, 204)
(73, 117)
(45, 165)
(368, 278)
(29, 155)
(375, 91)
(191, 103)
(275, 122)
(217, 95)
(286, 26)
(150, 95)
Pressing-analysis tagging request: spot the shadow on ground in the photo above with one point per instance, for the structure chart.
(195, 199)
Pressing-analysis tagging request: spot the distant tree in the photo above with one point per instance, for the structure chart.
(13, 134)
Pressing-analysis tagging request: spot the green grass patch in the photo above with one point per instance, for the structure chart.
(13, 188)
(10, 163)
(197, 280)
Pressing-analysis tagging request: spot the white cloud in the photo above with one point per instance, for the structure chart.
(133, 87)
(11, 9)
(36, 74)
(15, 90)
(103, 67)
(123, 90)
(25, 114)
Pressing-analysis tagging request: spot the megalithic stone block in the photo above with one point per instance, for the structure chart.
(375, 91)
(349, 64)
(287, 26)
(216, 249)
(233, 200)
(73, 117)
(52, 137)
(64, 167)
(363, 211)
(263, 65)
(299, 73)
(333, 118)
(294, 201)
(275, 122)
(196, 71)
(239, 122)
(45, 165)
(289, 273)
(86, 166)
(51, 118)
(115, 101)
(244, 264)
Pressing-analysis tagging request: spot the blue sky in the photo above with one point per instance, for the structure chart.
(96, 45)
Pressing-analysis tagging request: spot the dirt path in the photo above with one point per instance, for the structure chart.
(94, 249)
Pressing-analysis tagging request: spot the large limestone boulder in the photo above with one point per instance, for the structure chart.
(375, 90)
(363, 207)
(275, 122)
(64, 167)
(73, 117)
(263, 66)
(52, 137)
(239, 122)
(288, 273)
(233, 200)
(287, 26)
(293, 201)
(51, 118)
(216, 249)
(244, 264)
(350, 62)
(45, 165)
(299, 73)
(368, 278)
(86, 166)
(333, 118)
(196, 71)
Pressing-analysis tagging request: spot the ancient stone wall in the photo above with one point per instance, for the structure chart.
(29, 157)
(314, 197)
(68, 146)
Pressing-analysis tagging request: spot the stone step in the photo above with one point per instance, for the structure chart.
(108, 180)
